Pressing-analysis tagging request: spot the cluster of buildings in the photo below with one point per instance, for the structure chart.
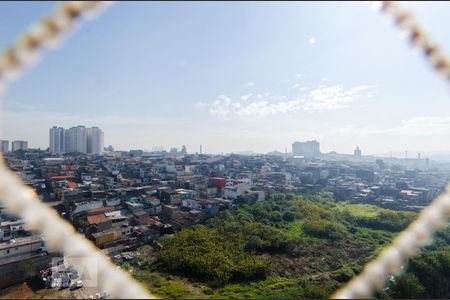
(79, 139)
(123, 199)
(15, 146)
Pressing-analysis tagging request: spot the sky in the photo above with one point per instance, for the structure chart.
(235, 76)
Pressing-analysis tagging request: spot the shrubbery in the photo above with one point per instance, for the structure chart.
(323, 228)
(209, 255)
(386, 220)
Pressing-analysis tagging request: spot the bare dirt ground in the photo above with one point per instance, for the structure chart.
(33, 289)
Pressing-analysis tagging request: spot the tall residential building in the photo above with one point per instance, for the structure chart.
(76, 139)
(57, 140)
(307, 149)
(357, 152)
(19, 145)
(94, 140)
(4, 146)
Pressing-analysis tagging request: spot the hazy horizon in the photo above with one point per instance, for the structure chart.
(235, 77)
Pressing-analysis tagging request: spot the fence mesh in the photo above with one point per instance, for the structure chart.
(21, 200)
(60, 235)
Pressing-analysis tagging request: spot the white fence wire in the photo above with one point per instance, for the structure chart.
(60, 235)
(22, 200)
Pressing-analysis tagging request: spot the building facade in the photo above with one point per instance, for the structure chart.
(94, 140)
(357, 153)
(4, 146)
(308, 149)
(19, 145)
(76, 139)
(57, 139)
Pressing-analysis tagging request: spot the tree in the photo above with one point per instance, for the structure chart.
(407, 286)
(254, 244)
(209, 254)
(289, 216)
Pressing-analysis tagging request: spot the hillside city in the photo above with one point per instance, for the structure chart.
(123, 200)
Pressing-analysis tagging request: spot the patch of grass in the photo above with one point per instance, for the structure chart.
(274, 287)
(162, 287)
(360, 210)
(295, 229)
(373, 237)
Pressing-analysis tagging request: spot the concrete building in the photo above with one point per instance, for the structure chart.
(357, 152)
(4, 146)
(21, 246)
(75, 139)
(57, 140)
(94, 140)
(15, 252)
(19, 145)
(183, 150)
(308, 149)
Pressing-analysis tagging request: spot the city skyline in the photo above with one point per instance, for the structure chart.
(309, 149)
(254, 79)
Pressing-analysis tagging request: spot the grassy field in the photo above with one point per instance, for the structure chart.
(273, 287)
(172, 287)
(360, 210)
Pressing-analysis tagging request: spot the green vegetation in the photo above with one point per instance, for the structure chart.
(163, 287)
(428, 274)
(374, 217)
(407, 286)
(218, 256)
(293, 247)
(275, 287)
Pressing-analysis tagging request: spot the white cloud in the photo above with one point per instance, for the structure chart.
(250, 84)
(334, 97)
(320, 99)
(245, 97)
(312, 41)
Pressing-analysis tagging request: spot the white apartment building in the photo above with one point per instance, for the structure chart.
(19, 145)
(76, 139)
(57, 140)
(306, 149)
(94, 140)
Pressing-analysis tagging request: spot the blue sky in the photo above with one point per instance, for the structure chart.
(235, 76)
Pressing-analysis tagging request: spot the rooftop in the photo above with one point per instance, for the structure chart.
(95, 218)
(21, 241)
